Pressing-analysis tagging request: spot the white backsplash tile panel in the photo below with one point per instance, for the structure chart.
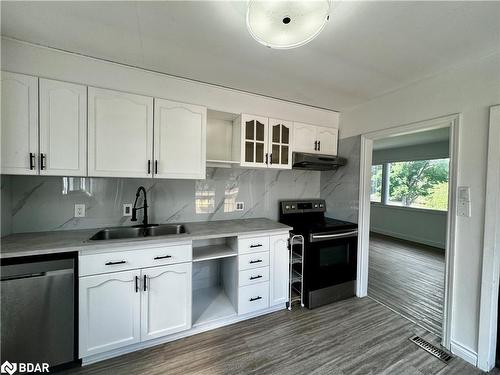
(36, 203)
(340, 188)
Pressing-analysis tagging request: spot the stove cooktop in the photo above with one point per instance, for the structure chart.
(308, 216)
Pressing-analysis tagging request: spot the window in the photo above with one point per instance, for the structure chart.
(417, 184)
(376, 189)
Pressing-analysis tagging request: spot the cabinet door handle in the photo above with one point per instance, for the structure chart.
(163, 257)
(271, 158)
(258, 245)
(255, 298)
(315, 145)
(42, 159)
(113, 263)
(255, 277)
(32, 161)
(319, 145)
(156, 166)
(145, 283)
(149, 166)
(137, 284)
(267, 158)
(256, 261)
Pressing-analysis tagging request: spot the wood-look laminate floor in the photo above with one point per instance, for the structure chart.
(350, 337)
(408, 278)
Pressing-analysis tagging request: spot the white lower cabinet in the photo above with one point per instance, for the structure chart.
(166, 300)
(110, 312)
(279, 269)
(123, 308)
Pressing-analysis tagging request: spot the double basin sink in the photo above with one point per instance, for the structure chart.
(151, 230)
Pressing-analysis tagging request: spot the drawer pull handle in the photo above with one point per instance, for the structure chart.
(255, 299)
(113, 263)
(163, 257)
(258, 245)
(32, 161)
(255, 277)
(256, 261)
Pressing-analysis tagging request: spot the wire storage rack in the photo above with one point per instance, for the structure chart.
(296, 247)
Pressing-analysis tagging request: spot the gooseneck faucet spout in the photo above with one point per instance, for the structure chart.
(144, 206)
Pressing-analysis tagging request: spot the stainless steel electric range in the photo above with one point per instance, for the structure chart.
(330, 256)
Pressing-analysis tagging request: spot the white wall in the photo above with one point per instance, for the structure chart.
(468, 89)
(418, 225)
(45, 62)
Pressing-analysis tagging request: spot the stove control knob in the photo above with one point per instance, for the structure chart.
(287, 207)
(293, 207)
(321, 205)
(315, 206)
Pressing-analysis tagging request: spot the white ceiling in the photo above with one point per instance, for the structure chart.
(366, 50)
(413, 139)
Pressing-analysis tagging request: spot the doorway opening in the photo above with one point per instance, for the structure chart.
(407, 190)
(408, 215)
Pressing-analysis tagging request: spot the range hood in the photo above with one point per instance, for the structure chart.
(315, 162)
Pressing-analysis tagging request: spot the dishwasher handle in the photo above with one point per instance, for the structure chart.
(36, 274)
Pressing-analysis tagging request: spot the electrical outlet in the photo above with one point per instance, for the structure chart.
(240, 206)
(79, 210)
(127, 209)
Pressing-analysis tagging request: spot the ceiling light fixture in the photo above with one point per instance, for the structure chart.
(286, 24)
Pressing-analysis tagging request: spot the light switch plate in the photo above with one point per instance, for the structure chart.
(79, 210)
(463, 201)
(464, 193)
(127, 209)
(240, 206)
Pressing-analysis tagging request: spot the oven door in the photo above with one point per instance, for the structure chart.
(330, 259)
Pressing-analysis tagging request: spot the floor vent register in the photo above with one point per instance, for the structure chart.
(432, 349)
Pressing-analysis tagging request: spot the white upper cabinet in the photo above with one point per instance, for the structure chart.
(110, 311)
(63, 128)
(280, 147)
(120, 134)
(327, 140)
(166, 300)
(179, 140)
(254, 141)
(315, 139)
(279, 270)
(19, 124)
(305, 138)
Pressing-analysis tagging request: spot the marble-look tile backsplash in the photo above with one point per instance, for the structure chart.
(36, 203)
(340, 188)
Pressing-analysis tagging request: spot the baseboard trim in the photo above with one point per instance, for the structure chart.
(176, 336)
(409, 238)
(462, 351)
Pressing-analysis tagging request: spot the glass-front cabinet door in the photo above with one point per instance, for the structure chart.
(254, 141)
(280, 150)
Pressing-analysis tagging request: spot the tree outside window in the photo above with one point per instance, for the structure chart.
(419, 184)
(376, 188)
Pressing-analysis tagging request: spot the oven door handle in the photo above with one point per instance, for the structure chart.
(332, 236)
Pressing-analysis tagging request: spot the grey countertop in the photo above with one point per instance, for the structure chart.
(39, 243)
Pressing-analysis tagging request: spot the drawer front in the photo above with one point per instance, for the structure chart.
(253, 298)
(159, 256)
(253, 260)
(253, 244)
(133, 259)
(254, 276)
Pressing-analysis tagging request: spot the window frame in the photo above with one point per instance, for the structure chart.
(384, 196)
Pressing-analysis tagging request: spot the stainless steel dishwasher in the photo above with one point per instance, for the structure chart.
(38, 310)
